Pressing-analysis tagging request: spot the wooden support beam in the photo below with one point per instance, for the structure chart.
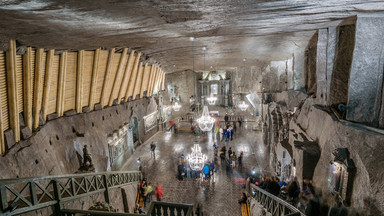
(12, 90)
(79, 80)
(127, 74)
(149, 87)
(61, 84)
(157, 87)
(94, 79)
(145, 80)
(2, 144)
(38, 87)
(139, 80)
(28, 91)
(154, 79)
(117, 83)
(132, 79)
(163, 82)
(106, 77)
(47, 81)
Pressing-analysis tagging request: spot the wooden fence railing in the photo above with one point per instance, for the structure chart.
(19, 196)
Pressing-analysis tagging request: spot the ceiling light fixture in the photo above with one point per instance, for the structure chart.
(196, 159)
(205, 121)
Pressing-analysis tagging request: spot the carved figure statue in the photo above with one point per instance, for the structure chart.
(86, 157)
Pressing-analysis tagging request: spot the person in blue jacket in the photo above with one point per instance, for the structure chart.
(206, 171)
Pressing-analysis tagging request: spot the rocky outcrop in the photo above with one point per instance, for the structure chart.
(56, 148)
(363, 143)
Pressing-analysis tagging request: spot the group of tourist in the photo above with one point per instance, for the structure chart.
(146, 191)
(184, 169)
(307, 198)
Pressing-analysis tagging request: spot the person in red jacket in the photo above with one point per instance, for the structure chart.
(159, 192)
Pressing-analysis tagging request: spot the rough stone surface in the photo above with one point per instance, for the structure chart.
(55, 148)
(232, 30)
(98, 107)
(342, 64)
(366, 79)
(9, 139)
(52, 116)
(86, 109)
(70, 113)
(364, 148)
(25, 132)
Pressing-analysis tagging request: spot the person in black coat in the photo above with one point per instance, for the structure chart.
(274, 187)
(180, 170)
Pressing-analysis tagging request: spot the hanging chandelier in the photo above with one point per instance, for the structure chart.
(243, 106)
(205, 121)
(176, 107)
(196, 159)
(211, 100)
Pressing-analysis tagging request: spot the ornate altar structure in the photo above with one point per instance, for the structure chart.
(341, 174)
(217, 84)
(166, 114)
(150, 121)
(120, 142)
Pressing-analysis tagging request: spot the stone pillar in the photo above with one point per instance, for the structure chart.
(290, 77)
(226, 88)
(321, 67)
(202, 93)
(219, 100)
(298, 66)
(331, 51)
(366, 77)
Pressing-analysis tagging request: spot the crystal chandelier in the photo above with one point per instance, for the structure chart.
(176, 107)
(205, 121)
(243, 106)
(211, 100)
(196, 159)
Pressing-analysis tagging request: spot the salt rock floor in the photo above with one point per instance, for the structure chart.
(217, 196)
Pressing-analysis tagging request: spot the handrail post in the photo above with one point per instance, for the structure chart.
(32, 188)
(57, 193)
(106, 192)
(3, 197)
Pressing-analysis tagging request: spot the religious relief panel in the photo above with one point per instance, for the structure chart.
(166, 113)
(118, 143)
(214, 75)
(150, 121)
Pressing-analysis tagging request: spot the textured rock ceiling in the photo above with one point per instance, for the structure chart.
(257, 30)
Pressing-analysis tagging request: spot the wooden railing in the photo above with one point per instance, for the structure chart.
(273, 204)
(155, 209)
(18, 196)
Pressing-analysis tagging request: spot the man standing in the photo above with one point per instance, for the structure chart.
(226, 118)
(153, 148)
